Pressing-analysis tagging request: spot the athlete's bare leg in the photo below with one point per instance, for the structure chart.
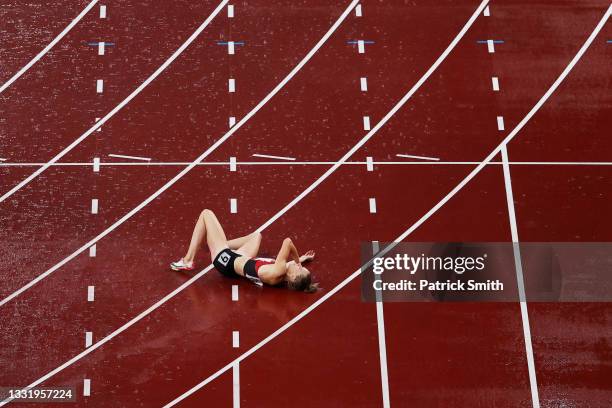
(208, 227)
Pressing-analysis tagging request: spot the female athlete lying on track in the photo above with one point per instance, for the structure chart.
(237, 257)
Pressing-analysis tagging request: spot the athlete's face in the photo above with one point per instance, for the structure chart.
(296, 273)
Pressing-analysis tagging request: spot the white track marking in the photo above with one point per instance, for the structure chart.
(101, 48)
(230, 11)
(358, 11)
(203, 272)
(487, 12)
(93, 251)
(91, 293)
(122, 156)
(495, 83)
(366, 123)
(86, 387)
(48, 47)
(533, 382)
(369, 163)
(100, 128)
(231, 50)
(361, 46)
(235, 339)
(232, 164)
(193, 164)
(409, 231)
(3, 160)
(364, 84)
(88, 339)
(231, 85)
(372, 203)
(267, 156)
(233, 206)
(102, 11)
(232, 121)
(120, 106)
(382, 350)
(96, 164)
(236, 385)
(490, 46)
(100, 86)
(409, 156)
(94, 205)
(234, 293)
(500, 123)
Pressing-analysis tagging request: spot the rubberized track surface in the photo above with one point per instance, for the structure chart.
(437, 354)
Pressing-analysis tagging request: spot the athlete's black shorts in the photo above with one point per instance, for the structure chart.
(224, 263)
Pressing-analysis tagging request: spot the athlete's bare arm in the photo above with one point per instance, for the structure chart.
(275, 273)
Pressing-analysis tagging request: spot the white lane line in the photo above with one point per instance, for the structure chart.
(94, 205)
(45, 50)
(366, 123)
(120, 106)
(236, 385)
(231, 85)
(361, 46)
(230, 11)
(372, 202)
(382, 348)
(86, 387)
(369, 163)
(410, 156)
(500, 123)
(233, 206)
(231, 50)
(96, 164)
(2, 160)
(490, 46)
(232, 163)
(93, 251)
(234, 293)
(364, 84)
(358, 11)
(267, 156)
(100, 86)
(101, 48)
(193, 164)
(122, 156)
(100, 128)
(518, 263)
(235, 339)
(409, 231)
(495, 83)
(232, 121)
(487, 12)
(88, 339)
(102, 11)
(203, 272)
(91, 293)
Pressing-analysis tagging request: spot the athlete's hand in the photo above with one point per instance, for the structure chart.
(308, 256)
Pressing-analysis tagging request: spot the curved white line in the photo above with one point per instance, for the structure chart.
(120, 106)
(285, 209)
(414, 226)
(48, 47)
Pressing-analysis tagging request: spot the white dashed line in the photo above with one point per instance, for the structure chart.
(231, 85)
(232, 163)
(232, 121)
(372, 206)
(100, 128)
(100, 86)
(267, 156)
(236, 385)
(94, 206)
(2, 160)
(358, 11)
(486, 12)
(230, 48)
(495, 83)
(102, 11)
(86, 387)
(230, 11)
(235, 339)
(91, 293)
(88, 339)
(92, 251)
(366, 123)
(361, 46)
(364, 84)
(410, 156)
(500, 123)
(96, 164)
(101, 48)
(122, 156)
(369, 163)
(490, 46)
(233, 205)
(234, 293)
(48, 47)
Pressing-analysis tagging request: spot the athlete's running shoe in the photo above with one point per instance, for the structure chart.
(180, 265)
